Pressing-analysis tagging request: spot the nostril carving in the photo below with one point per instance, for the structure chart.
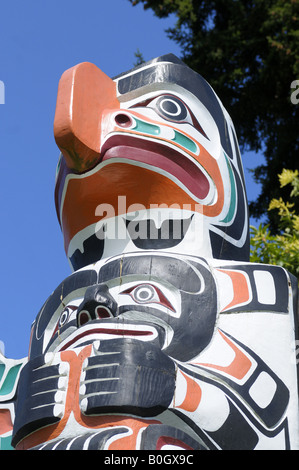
(100, 312)
(84, 317)
(123, 120)
(103, 312)
(96, 305)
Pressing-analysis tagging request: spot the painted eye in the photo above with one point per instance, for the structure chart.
(64, 316)
(146, 294)
(171, 108)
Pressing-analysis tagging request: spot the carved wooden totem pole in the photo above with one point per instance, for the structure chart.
(164, 335)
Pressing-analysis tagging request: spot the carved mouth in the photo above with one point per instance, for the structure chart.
(130, 324)
(108, 331)
(161, 158)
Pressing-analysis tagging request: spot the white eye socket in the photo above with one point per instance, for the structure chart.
(171, 108)
(144, 294)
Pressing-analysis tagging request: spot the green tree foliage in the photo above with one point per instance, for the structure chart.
(139, 58)
(281, 249)
(248, 50)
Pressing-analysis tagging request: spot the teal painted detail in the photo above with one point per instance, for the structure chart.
(5, 443)
(146, 128)
(10, 380)
(184, 141)
(152, 129)
(233, 193)
(58, 166)
(2, 369)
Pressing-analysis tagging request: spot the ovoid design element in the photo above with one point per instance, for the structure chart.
(164, 335)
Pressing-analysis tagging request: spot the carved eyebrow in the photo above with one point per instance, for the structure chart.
(160, 267)
(73, 307)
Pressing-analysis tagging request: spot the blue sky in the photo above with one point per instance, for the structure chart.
(39, 40)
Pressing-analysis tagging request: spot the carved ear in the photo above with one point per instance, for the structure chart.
(84, 92)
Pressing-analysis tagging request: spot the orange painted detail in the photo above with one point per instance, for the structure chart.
(84, 119)
(240, 365)
(91, 422)
(84, 91)
(204, 158)
(240, 287)
(137, 184)
(130, 442)
(193, 395)
(5, 421)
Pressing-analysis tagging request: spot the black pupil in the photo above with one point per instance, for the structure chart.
(144, 294)
(171, 108)
(63, 317)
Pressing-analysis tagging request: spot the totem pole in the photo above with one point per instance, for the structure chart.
(164, 335)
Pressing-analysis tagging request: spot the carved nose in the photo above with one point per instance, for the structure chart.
(123, 120)
(97, 304)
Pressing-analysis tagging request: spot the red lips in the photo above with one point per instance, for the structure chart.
(107, 331)
(166, 159)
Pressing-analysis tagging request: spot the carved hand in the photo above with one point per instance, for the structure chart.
(126, 375)
(41, 395)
